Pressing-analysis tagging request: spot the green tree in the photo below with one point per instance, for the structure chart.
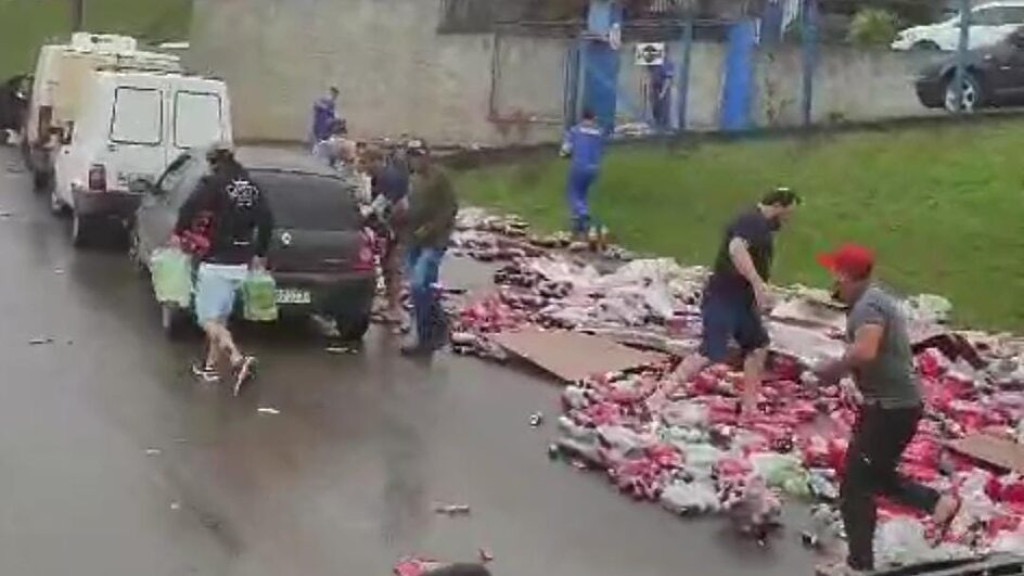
(873, 27)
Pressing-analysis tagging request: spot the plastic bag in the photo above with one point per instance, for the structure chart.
(259, 295)
(690, 498)
(171, 269)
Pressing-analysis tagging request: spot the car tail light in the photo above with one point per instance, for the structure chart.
(98, 178)
(365, 259)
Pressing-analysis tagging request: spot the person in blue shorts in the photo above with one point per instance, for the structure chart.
(737, 294)
(240, 224)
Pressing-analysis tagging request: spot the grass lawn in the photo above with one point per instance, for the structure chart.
(943, 207)
(27, 24)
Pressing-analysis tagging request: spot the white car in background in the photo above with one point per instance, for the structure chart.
(990, 23)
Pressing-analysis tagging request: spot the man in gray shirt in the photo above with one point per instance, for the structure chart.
(880, 360)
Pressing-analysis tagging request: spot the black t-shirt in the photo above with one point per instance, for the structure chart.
(757, 230)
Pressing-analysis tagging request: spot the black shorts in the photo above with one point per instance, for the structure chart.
(725, 317)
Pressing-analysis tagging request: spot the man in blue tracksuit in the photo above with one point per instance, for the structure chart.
(584, 142)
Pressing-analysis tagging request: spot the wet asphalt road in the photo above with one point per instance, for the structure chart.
(341, 482)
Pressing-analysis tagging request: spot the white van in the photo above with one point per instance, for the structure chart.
(57, 91)
(131, 126)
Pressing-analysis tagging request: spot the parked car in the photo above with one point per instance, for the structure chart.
(130, 125)
(994, 76)
(321, 255)
(990, 23)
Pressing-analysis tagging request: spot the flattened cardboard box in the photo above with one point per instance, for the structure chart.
(571, 355)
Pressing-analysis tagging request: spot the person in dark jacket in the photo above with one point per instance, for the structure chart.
(389, 186)
(238, 228)
(426, 231)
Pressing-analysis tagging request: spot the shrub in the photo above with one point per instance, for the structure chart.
(873, 27)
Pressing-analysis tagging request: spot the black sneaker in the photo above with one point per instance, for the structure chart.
(204, 373)
(243, 373)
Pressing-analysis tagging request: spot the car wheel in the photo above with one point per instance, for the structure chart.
(925, 46)
(174, 321)
(57, 206)
(352, 328)
(971, 96)
(135, 250)
(83, 230)
(42, 182)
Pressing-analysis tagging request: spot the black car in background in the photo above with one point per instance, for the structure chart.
(994, 77)
(321, 256)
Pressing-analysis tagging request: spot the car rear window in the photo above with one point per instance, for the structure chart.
(309, 202)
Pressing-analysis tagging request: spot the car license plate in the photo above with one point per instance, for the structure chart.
(293, 296)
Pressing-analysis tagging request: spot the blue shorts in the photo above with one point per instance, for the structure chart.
(725, 318)
(217, 288)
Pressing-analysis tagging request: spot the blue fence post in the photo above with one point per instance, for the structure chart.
(961, 55)
(738, 88)
(684, 70)
(809, 37)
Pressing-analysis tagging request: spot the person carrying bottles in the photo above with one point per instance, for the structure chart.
(239, 228)
(584, 144)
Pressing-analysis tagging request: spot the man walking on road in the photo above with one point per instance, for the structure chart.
(585, 144)
(240, 225)
(879, 357)
(427, 229)
(737, 293)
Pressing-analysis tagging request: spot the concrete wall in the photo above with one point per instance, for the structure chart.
(849, 85)
(398, 76)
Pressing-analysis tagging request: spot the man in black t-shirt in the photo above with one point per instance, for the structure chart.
(737, 292)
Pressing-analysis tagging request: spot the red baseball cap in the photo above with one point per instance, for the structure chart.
(851, 260)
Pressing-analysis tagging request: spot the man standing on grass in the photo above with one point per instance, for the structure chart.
(879, 357)
(661, 93)
(737, 293)
(240, 225)
(585, 144)
(426, 230)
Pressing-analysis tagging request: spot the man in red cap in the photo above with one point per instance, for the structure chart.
(879, 358)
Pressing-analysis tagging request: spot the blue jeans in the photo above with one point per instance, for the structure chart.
(424, 265)
(578, 194)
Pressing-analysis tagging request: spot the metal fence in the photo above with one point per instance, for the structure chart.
(718, 65)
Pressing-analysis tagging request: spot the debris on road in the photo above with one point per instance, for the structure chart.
(341, 350)
(153, 451)
(536, 419)
(268, 410)
(40, 341)
(681, 444)
(486, 555)
(452, 509)
(175, 505)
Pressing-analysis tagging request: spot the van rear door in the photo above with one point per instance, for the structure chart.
(136, 141)
(199, 110)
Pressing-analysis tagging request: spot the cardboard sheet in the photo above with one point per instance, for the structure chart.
(571, 355)
(810, 313)
(999, 452)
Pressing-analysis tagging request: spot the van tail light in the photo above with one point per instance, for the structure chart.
(97, 178)
(43, 123)
(365, 261)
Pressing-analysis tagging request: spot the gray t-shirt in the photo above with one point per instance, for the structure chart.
(890, 380)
